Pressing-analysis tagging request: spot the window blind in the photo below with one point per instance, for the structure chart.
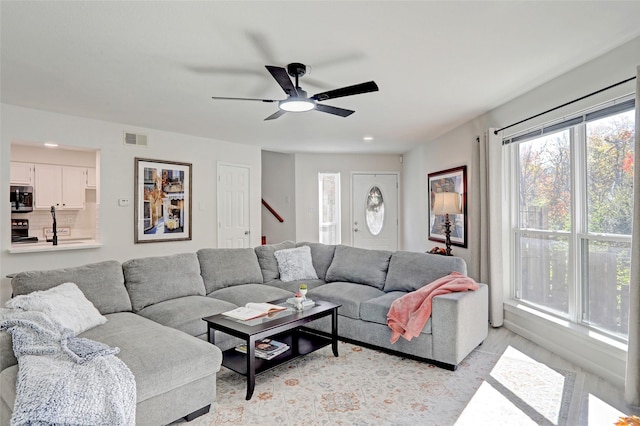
(614, 107)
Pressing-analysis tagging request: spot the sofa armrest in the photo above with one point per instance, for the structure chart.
(7, 357)
(460, 322)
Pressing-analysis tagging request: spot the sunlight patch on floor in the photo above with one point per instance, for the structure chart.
(489, 407)
(520, 391)
(534, 384)
(601, 413)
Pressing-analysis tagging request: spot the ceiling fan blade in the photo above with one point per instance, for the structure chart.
(281, 76)
(210, 69)
(356, 89)
(259, 40)
(243, 99)
(276, 114)
(334, 110)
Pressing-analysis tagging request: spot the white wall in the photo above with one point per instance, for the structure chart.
(418, 163)
(307, 167)
(278, 190)
(459, 147)
(116, 180)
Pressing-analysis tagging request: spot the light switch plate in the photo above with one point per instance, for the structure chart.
(123, 202)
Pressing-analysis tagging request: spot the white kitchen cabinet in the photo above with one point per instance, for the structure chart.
(90, 182)
(59, 186)
(21, 173)
(48, 186)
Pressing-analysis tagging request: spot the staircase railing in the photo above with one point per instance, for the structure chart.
(273, 212)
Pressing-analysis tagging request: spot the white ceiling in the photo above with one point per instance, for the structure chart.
(156, 64)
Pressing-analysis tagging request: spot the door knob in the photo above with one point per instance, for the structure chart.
(355, 229)
(246, 232)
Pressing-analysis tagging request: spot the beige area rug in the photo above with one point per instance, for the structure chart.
(367, 387)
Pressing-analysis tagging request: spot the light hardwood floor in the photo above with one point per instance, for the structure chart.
(596, 401)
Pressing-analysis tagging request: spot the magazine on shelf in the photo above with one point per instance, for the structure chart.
(254, 310)
(265, 348)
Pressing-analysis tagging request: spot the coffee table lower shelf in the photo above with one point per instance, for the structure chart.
(300, 343)
(287, 328)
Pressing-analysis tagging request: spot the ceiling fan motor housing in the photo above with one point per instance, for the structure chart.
(296, 69)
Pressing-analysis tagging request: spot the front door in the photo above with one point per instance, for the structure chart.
(374, 200)
(233, 206)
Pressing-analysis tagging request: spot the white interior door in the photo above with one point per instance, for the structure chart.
(233, 206)
(374, 200)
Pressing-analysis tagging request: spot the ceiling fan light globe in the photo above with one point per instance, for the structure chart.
(297, 105)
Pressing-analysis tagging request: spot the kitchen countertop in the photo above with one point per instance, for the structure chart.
(77, 244)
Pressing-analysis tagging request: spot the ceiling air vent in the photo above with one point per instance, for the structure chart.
(135, 139)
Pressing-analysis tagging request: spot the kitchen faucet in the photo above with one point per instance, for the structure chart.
(55, 228)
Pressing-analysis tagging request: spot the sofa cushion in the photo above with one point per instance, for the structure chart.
(8, 378)
(349, 295)
(268, 262)
(64, 304)
(321, 256)
(240, 295)
(225, 267)
(409, 271)
(294, 286)
(358, 265)
(151, 280)
(102, 283)
(186, 313)
(295, 264)
(160, 358)
(7, 357)
(376, 309)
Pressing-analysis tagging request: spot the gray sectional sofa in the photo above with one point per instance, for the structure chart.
(155, 307)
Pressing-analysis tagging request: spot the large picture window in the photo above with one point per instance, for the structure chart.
(572, 231)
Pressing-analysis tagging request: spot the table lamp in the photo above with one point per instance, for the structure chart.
(446, 203)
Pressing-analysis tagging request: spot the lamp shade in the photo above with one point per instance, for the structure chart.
(446, 202)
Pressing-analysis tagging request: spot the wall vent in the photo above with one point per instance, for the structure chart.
(135, 139)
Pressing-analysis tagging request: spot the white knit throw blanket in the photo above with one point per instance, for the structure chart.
(66, 380)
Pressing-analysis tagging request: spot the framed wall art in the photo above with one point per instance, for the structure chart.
(451, 180)
(162, 201)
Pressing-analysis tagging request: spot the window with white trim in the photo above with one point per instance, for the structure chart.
(573, 198)
(329, 208)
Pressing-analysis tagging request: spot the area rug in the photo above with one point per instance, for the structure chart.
(368, 387)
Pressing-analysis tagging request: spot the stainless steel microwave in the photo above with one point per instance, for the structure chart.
(21, 199)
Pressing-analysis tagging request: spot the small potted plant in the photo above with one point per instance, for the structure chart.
(303, 291)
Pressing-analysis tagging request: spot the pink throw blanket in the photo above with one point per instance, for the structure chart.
(409, 313)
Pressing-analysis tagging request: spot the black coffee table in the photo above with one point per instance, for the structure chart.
(285, 327)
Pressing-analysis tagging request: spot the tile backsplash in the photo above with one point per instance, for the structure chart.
(81, 223)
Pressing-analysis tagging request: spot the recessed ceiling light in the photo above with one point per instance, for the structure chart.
(51, 144)
(367, 138)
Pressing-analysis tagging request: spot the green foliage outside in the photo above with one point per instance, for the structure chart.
(610, 157)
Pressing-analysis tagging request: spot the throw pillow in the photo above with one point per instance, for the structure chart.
(64, 304)
(295, 264)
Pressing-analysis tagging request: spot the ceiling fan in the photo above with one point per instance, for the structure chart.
(297, 99)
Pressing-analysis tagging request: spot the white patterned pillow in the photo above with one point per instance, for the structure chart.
(64, 304)
(295, 264)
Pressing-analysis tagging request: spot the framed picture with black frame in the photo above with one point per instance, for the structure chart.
(162, 199)
(450, 180)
